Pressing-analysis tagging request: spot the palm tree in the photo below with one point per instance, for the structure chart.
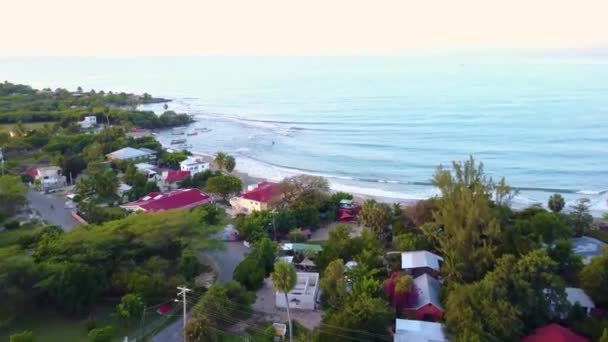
(220, 160)
(284, 280)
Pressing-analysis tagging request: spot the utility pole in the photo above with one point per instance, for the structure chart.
(2, 160)
(182, 292)
(274, 227)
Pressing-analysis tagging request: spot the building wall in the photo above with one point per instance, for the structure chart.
(306, 301)
(246, 206)
(429, 312)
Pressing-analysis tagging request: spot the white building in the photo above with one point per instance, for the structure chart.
(88, 122)
(49, 178)
(303, 295)
(420, 331)
(576, 295)
(194, 165)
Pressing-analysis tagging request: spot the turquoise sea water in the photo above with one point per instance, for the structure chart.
(377, 126)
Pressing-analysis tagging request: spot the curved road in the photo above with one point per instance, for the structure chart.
(57, 214)
(225, 259)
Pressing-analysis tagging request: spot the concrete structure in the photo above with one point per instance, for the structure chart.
(149, 170)
(132, 154)
(193, 165)
(122, 189)
(428, 307)
(417, 263)
(176, 199)
(303, 295)
(576, 295)
(47, 178)
(88, 122)
(256, 198)
(420, 331)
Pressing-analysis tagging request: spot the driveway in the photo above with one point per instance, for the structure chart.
(51, 209)
(224, 260)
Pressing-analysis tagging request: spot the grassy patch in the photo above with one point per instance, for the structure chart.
(27, 125)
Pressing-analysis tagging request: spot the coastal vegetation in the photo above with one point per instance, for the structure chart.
(504, 272)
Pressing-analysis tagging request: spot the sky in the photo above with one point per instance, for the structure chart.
(289, 27)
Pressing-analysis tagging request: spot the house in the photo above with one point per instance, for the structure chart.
(303, 295)
(428, 307)
(47, 177)
(554, 333)
(149, 170)
(576, 295)
(139, 133)
(122, 190)
(176, 199)
(420, 331)
(172, 178)
(132, 154)
(416, 263)
(88, 122)
(256, 198)
(193, 165)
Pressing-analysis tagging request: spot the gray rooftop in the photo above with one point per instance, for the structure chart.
(428, 291)
(128, 153)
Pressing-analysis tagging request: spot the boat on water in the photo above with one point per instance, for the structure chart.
(192, 133)
(177, 132)
(184, 146)
(177, 141)
(204, 129)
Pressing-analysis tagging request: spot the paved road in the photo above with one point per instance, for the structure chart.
(57, 215)
(225, 260)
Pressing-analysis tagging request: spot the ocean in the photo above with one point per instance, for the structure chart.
(377, 126)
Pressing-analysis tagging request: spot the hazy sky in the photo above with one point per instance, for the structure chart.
(288, 27)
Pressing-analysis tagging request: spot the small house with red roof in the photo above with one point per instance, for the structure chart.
(256, 198)
(172, 178)
(428, 305)
(176, 199)
(554, 333)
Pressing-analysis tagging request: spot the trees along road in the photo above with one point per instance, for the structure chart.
(226, 260)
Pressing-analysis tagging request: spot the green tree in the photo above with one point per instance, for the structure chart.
(99, 180)
(224, 186)
(24, 336)
(284, 280)
(12, 194)
(410, 242)
(376, 216)
(174, 158)
(469, 225)
(556, 203)
(188, 265)
(250, 273)
(229, 163)
(549, 227)
(359, 313)
(580, 217)
(333, 284)
(105, 334)
(300, 191)
(517, 296)
(604, 337)
(130, 308)
(265, 251)
(130, 176)
(569, 264)
(296, 235)
(199, 329)
(594, 277)
(93, 152)
(220, 160)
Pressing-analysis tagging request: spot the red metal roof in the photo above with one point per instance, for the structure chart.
(176, 176)
(554, 333)
(263, 193)
(32, 172)
(176, 199)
